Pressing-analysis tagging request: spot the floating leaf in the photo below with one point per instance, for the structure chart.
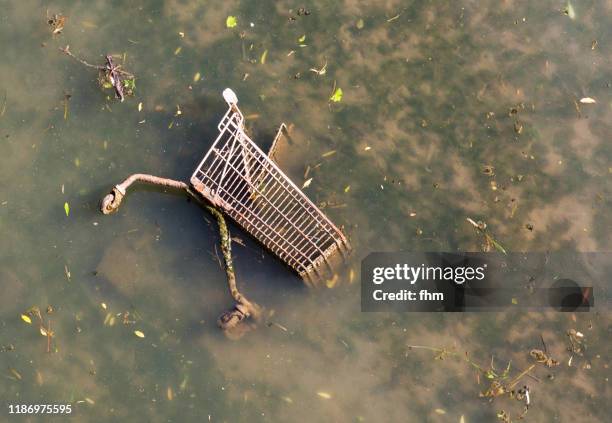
(324, 395)
(337, 95)
(231, 21)
(440, 411)
(569, 11)
(347, 188)
(587, 100)
(196, 77)
(90, 401)
(332, 282)
(67, 208)
(140, 107)
(263, 57)
(178, 50)
(130, 84)
(302, 38)
(514, 301)
(139, 334)
(26, 319)
(360, 24)
(169, 394)
(496, 244)
(307, 183)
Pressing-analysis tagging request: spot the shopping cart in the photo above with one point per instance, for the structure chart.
(243, 181)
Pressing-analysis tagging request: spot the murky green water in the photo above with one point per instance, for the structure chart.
(428, 86)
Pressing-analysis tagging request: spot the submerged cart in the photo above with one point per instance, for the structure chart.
(243, 182)
(239, 178)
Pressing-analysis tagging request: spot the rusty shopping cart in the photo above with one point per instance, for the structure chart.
(240, 179)
(246, 184)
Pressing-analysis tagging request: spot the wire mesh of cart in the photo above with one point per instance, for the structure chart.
(237, 176)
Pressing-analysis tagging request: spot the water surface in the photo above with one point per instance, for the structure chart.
(433, 93)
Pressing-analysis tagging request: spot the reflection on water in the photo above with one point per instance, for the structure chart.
(434, 94)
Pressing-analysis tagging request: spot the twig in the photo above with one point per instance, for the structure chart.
(422, 347)
(518, 378)
(66, 50)
(543, 343)
(49, 337)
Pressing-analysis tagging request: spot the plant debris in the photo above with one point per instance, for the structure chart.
(576, 342)
(489, 241)
(320, 71)
(56, 22)
(34, 313)
(110, 75)
(488, 170)
(569, 11)
(501, 383)
(542, 357)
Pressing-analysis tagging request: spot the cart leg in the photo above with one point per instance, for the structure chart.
(243, 307)
(282, 130)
